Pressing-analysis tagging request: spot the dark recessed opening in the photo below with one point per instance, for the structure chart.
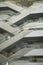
(7, 8)
(30, 18)
(6, 13)
(31, 58)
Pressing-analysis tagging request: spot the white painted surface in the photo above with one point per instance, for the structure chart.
(35, 52)
(2, 4)
(13, 6)
(36, 33)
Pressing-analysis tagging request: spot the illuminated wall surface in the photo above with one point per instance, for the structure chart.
(15, 47)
